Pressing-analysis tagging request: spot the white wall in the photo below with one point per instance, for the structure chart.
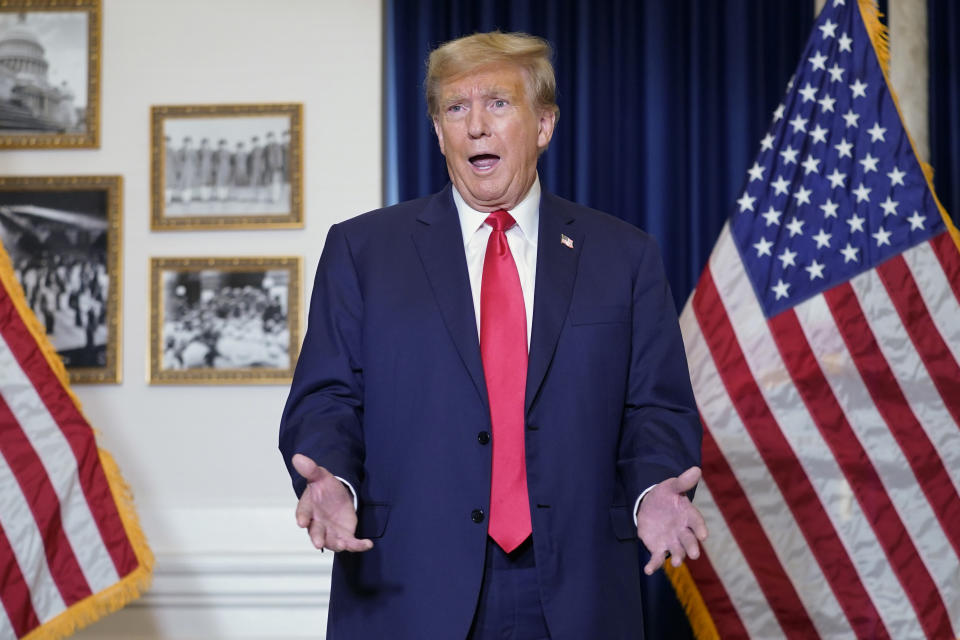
(211, 490)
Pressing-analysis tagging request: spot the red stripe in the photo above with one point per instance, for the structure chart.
(783, 464)
(45, 506)
(77, 432)
(748, 532)
(724, 615)
(14, 591)
(860, 474)
(928, 342)
(922, 457)
(949, 257)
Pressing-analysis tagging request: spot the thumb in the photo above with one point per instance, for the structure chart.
(688, 479)
(307, 467)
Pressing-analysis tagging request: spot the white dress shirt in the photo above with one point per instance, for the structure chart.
(522, 238)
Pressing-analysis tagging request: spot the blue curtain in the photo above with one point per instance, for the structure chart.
(662, 107)
(943, 19)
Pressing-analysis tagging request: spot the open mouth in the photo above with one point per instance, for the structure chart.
(484, 161)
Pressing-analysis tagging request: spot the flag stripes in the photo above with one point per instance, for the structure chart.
(66, 419)
(894, 410)
(15, 597)
(874, 505)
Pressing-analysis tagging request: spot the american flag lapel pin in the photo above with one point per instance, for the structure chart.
(566, 241)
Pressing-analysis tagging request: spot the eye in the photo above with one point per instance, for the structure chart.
(455, 108)
(499, 103)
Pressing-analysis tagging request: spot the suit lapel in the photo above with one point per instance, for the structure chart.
(439, 242)
(556, 273)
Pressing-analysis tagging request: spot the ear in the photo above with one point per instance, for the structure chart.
(439, 131)
(548, 118)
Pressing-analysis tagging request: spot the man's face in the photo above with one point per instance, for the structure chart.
(491, 135)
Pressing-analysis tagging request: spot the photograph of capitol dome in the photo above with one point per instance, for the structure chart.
(48, 77)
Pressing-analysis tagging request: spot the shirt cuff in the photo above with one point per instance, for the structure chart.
(356, 504)
(636, 505)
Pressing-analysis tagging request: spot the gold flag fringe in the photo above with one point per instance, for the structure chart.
(697, 613)
(880, 38)
(135, 583)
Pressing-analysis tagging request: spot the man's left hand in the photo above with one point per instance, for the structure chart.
(667, 522)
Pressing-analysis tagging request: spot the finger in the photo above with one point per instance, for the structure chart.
(307, 467)
(688, 479)
(677, 554)
(358, 545)
(318, 534)
(656, 561)
(303, 515)
(690, 545)
(696, 523)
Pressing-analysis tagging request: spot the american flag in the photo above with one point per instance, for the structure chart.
(70, 546)
(823, 340)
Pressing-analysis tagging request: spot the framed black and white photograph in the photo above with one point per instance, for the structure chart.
(63, 236)
(227, 166)
(49, 73)
(224, 320)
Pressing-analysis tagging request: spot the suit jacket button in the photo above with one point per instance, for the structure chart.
(483, 437)
(477, 515)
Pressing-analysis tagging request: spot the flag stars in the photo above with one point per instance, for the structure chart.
(819, 134)
(856, 223)
(809, 92)
(916, 221)
(896, 177)
(746, 202)
(828, 29)
(780, 289)
(810, 165)
(849, 253)
(756, 172)
(788, 258)
(802, 196)
(772, 216)
(882, 236)
(889, 207)
(826, 103)
(780, 186)
(796, 227)
(876, 132)
(818, 61)
(799, 124)
(836, 73)
(869, 163)
(862, 192)
(836, 178)
(778, 112)
(843, 148)
(859, 89)
(789, 155)
(822, 239)
(815, 269)
(850, 118)
(845, 41)
(763, 247)
(829, 209)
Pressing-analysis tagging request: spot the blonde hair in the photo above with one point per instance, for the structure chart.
(469, 53)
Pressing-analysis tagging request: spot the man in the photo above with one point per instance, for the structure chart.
(496, 487)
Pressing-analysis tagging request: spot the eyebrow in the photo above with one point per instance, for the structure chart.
(490, 92)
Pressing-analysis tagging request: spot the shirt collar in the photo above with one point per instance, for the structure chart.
(526, 214)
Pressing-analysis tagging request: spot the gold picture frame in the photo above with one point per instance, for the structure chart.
(64, 238)
(203, 176)
(229, 320)
(49, 98)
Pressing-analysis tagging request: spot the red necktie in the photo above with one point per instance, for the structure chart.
(503, 347)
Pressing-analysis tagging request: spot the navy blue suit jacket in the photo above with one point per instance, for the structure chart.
(389, 394)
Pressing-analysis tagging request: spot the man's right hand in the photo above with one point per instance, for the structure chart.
(326, 509)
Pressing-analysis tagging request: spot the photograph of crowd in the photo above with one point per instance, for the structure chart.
(59, 243)
(46, 68)
(224, 322)
(216, 167)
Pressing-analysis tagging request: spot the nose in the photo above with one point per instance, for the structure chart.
(477, 123)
